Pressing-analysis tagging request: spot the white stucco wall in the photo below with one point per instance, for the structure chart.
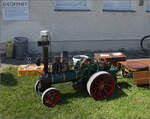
(80, 30)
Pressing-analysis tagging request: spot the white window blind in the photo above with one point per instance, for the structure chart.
(15, 9)
(71, 4)
(118, 5)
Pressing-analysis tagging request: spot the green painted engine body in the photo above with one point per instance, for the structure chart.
(82, 72)
(87, 69)
(65, 76)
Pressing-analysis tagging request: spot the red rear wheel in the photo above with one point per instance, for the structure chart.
(50, 97)
(101, 85)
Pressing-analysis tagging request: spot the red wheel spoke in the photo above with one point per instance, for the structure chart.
(105, 92)
(102, 86)
(108, 86)
(51, 97)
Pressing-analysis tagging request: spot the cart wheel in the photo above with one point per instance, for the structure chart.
(37, 85)
(50, 97)
(100, 85)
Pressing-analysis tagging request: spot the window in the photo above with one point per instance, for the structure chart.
(148, 6)
(121, 5)
(15, 9)
(71, 4)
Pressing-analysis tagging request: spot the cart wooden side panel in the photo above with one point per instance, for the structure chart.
(141, 77)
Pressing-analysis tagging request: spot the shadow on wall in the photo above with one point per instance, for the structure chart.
(12, 61)
(31, 58)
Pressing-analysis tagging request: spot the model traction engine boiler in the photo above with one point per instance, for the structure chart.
(97, 78)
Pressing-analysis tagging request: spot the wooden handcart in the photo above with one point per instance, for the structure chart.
(30, 69)
(139, 69)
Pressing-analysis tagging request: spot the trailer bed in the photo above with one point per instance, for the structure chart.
(141, 76)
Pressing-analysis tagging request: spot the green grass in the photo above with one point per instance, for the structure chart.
(18, 100)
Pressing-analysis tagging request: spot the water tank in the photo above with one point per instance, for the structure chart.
(77, 58)
(21, 47)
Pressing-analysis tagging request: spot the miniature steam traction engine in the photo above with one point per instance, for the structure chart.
(98, 78)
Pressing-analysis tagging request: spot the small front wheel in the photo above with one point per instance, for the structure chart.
(50, 97)
(37, 85)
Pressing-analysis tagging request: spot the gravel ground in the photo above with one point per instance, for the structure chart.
(6, 62)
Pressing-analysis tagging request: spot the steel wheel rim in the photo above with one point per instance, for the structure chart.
(102, 86)
(51, 98)
(37, 85)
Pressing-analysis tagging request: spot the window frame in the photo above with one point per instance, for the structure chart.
(147, 7)
(115, 9)
(78, 8)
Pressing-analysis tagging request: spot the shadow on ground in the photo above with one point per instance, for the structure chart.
(7, 79)
(118, 92)
(122, 85)
(145, 86)
(66, 96)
